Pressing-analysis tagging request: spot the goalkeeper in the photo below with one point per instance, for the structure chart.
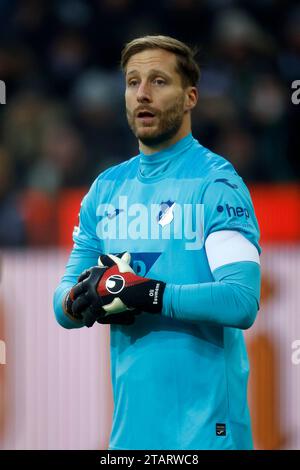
(167, 252)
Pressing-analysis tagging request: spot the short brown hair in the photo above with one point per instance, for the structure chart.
(187, 66)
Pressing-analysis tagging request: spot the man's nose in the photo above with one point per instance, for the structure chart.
(143, 93)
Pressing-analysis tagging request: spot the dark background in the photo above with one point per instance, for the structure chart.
(64, 118)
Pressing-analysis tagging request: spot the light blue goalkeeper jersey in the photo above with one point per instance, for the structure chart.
(176, 384)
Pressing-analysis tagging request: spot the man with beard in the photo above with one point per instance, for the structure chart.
(180, 215)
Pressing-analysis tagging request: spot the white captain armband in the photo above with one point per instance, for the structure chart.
(229, 246)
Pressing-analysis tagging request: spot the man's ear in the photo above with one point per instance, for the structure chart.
(191, 98)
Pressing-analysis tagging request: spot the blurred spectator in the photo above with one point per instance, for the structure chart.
(25, 120)
(238, 146)
(238, 34)
(17, 65)
(241, 50)
(98, 101)
(267, 107)
(68, 55)
(289, 58)
(12, 227)
(62, 161)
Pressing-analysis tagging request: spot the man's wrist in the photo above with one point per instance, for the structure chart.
(159, 289)
(149, 297)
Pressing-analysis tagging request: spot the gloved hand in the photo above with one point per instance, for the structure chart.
(89, 301)
(123, 287)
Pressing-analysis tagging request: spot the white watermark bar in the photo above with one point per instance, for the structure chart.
(165, 221)
(296, 352)
(2, 352)
(296, 93)
(2, 92)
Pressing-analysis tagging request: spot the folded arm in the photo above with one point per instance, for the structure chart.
(233, 298)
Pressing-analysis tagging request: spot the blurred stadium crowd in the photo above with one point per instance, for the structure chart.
(64, 119)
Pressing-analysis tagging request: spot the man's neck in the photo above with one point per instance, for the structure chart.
(147, 150)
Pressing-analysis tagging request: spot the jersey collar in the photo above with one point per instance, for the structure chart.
(158, 165)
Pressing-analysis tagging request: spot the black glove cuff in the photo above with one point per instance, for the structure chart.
(146, 296)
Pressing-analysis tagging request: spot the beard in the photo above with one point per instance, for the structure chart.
(169, 123)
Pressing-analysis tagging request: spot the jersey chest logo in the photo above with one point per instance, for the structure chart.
(166, 214)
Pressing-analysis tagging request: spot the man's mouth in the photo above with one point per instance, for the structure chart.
(145, 117)
(145, 114)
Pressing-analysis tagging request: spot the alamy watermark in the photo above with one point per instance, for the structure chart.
(2, 352)
(296, 352)
(296, 93)
(165, 221)
(2, 92)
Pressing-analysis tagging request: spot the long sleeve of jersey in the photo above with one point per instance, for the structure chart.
(85, 253)
(231, 300)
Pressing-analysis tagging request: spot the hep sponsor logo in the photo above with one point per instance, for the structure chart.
(232, 211)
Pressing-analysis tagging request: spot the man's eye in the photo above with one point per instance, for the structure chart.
(159, 81)
(132, 83)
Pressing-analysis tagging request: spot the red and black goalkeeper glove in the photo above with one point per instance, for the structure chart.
(120, 285)
(83, 302)
(112, 292)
